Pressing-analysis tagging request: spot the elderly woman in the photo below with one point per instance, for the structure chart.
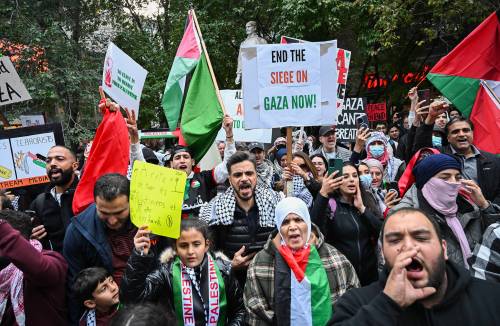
(297, 277)
(457, 205)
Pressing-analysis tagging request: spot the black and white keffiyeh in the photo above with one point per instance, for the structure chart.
(220, 210)
(265, 173)
(300, 190)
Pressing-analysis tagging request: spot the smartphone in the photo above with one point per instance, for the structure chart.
(362, 122)
(251, 249)
(335, 164)
(393, 187)
(35, 220)
(424, 95)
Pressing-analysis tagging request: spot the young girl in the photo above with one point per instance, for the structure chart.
(198, 286)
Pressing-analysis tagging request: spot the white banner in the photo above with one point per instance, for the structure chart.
(12, 89)
(290, 85)
(32, 120)
(233, 102)
(123, 78)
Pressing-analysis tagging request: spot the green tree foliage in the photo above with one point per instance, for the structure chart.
(384, 36)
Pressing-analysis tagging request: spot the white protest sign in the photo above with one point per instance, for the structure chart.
(32, 120)
(233, 102)
(290, 84)
(123, 78)
(12, 89)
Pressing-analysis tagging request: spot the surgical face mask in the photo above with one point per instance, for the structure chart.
(376, 150)
(436, 141)
(366, 180)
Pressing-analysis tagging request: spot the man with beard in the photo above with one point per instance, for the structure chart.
(53, 207)
(420, 286)
(241, 218)
(477, 165)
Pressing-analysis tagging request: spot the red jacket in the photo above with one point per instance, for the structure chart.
(44, 278)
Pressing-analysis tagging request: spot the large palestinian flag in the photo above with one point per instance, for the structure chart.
(196, 100)
(469, 76)
(302, 291)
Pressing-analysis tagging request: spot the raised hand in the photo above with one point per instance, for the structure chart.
(106, 103)
(435, 109)
(142, 242)
(391, 199)
(358, 200)
(132, 126)
(398, 287)
(361, 136)
(227, 124)
(475, 193)
(331, 183)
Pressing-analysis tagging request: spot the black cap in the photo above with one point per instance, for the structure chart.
(325, 129)
(253, 146)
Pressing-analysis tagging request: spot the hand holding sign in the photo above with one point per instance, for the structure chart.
(156, 196)
(106, 103)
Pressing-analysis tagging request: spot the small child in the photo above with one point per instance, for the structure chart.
(96, 290)
(194, 284)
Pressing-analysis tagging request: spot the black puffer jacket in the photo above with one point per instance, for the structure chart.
(143, 282)
(352, 233)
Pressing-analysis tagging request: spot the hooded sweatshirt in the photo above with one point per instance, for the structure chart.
(467, 301)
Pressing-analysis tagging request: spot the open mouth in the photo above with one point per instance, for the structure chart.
(463, 142)
(351, 187)
(182, 167)
(415, 266)
(54, 173)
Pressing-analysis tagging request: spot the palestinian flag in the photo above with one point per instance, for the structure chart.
(302, 291)
(469, 76)
(198, 99)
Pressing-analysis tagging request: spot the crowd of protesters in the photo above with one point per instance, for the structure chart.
(406, 230)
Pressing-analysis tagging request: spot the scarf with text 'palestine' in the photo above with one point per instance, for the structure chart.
(186, 286)
(302, 291)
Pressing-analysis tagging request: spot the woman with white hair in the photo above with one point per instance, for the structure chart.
(297, 277)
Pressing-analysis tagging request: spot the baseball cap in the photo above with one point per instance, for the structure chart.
(253, 146)
(325, 129)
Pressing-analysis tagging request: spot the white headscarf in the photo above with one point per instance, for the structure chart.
(292, 205)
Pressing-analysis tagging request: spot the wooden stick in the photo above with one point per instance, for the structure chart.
(289, 184)
(214, 80)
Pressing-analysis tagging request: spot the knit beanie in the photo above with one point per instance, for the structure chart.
(432, 165)
(280, 153)
(376, 135)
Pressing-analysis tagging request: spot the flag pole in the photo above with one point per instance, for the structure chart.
(214, 80)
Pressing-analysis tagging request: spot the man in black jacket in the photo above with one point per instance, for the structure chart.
(53, 207)
(241, 218)
(421, 287)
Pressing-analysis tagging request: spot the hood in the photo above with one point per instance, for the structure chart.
(273, 242)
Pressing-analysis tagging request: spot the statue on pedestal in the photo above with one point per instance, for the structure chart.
(252, 39)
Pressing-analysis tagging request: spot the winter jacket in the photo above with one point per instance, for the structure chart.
(145, 281)
(55, 218)
(44, 278)
(352, 233)
(473, 220)
(86, 245)
(259, 296)
(488, 164)
(467, 301)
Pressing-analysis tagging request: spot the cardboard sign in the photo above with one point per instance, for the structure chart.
(22, 151)
(156, 196)
(376, 111)
(343, 61)
(123, 78)
(354, 108)
(233, 102)
(289, 84)
(12, 89)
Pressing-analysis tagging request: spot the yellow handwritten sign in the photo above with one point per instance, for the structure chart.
(156, 196)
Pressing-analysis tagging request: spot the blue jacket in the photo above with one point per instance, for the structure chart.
(86, 245)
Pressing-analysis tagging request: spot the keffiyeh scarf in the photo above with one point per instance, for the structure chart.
(11, 285)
